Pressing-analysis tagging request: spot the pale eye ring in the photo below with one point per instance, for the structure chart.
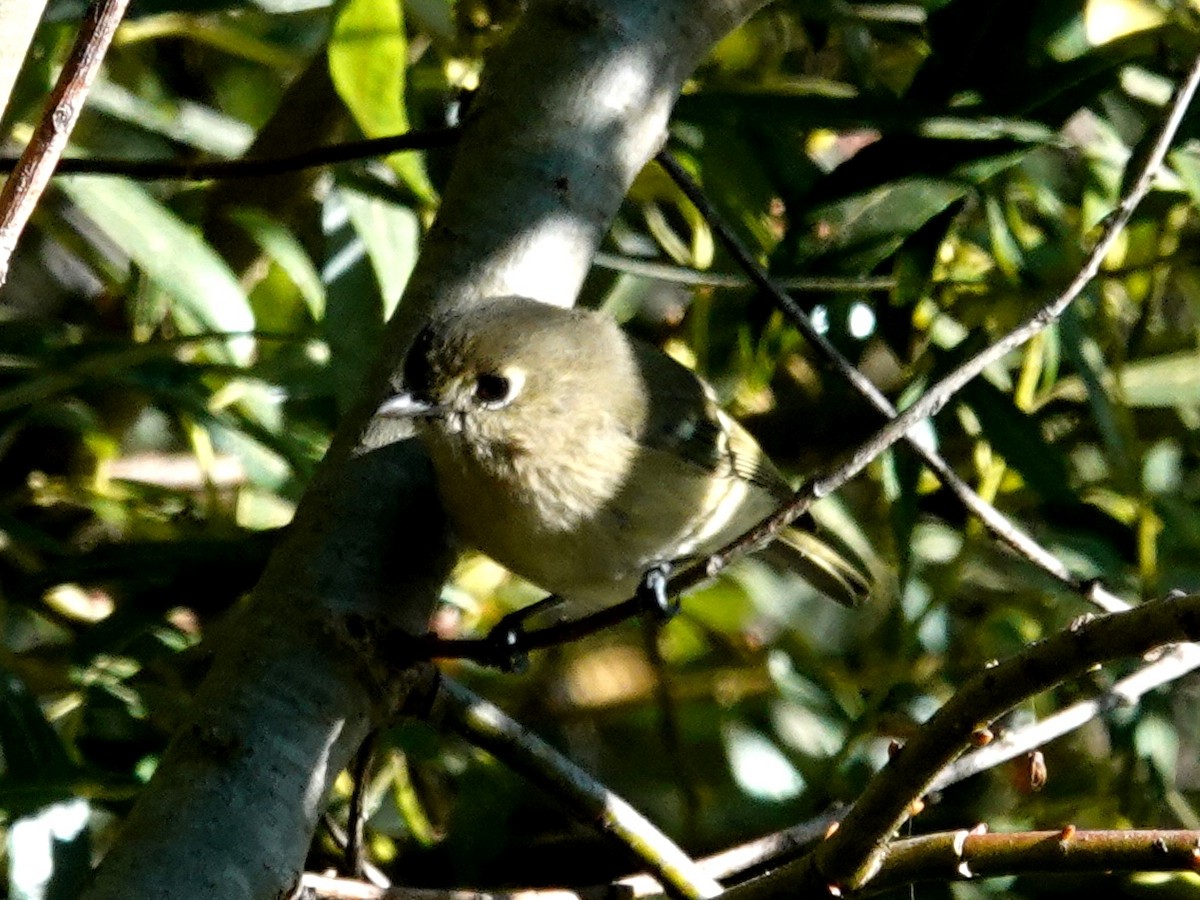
(497, 389)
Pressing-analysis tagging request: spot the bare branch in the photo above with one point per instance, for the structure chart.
(251, 166)
(486, 726)
(853, 854)
(962, 855)
(24, 187)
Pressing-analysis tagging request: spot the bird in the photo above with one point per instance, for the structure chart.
(580, 457)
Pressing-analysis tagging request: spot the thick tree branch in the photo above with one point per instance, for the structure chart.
(572, 107)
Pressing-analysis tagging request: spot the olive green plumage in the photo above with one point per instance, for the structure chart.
(579, 457)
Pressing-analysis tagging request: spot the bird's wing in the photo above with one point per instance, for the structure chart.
(684, 419)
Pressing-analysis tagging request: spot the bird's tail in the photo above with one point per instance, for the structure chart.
(834, 571)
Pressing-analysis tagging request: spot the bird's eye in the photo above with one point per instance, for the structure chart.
(494, 390)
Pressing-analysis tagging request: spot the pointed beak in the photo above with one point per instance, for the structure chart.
(408, 406)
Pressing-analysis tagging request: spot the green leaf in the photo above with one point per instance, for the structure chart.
(862, 231)
(172, 254)
(354, 318)
(1163, 382)
(391, 233)
(281, 245)
(1018, 438)
(368, 56)
(182, 121)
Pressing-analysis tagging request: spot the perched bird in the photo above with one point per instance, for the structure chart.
(579, 457)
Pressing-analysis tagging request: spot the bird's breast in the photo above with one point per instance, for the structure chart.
(588, 526)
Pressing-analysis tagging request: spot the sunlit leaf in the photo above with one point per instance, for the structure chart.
(390, 233)
(282, 246)
(171, 253)
(368, 60)
(1162, 381)
(759, 766)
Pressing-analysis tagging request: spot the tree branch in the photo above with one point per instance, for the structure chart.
(547, 156)
(24, 187)
(853, 854)
(250, 166)
(487, 727)
(962, 855)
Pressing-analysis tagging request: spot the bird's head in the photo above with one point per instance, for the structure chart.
(515, 376)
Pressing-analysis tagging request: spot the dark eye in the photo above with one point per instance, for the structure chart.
(492, 389)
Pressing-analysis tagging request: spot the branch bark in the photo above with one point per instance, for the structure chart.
(572, 107)
(852, 856)
(24, 187)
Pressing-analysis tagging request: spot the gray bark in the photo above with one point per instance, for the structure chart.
(573, 106)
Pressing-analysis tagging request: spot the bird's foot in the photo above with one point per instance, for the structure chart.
(507, 637)
(652, 591)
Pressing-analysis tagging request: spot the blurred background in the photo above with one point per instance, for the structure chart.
(174, 356)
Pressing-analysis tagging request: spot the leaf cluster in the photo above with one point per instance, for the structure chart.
(174, 355)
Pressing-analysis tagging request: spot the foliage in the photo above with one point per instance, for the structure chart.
(175, 356)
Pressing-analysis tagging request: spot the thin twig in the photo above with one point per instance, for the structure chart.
(1171, 666)
(487, 727)
(673, 274)
(354, 860)
(1003, 528)
(852, 855)
(255, 166)
(963, 855)
(25, 186)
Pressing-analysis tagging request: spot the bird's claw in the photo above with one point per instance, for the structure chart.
(507, 637)
(652, 591)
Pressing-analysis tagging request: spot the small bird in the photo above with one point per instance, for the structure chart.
(580, 458)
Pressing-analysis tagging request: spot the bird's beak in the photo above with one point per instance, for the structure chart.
(408, 406)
